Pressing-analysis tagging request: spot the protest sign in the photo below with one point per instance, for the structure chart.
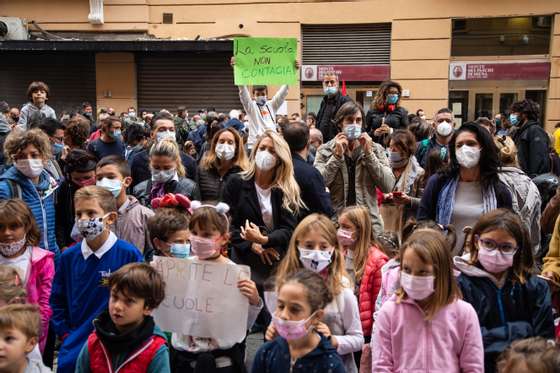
(265, 61)
(202, 299)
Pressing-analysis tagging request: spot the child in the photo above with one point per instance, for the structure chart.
(19, 237)
(38, 94)
(302, 298)
(19, 332)
(496, 279)
(425, 326)
(314, 246)
(113, 174)
(80, 290)
(209, 235)
(125, 338)
(531, 355)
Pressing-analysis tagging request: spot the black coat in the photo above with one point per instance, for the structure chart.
(312, 188)
(396, 119)
(326, 114)
(532, 144)
(64, 217)
(241, 196)
(211, 184)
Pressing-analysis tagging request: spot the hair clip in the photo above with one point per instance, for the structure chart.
(221, 208)
(173, 200)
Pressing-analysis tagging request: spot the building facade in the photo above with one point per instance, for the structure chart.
(474, 56)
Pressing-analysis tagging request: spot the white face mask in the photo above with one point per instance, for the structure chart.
(444, 128)
(468, 156)
(315, 260)
(162, 176)
(30, 167)
(264, 160)
(112, 185)
(225, 151)
(165, 135)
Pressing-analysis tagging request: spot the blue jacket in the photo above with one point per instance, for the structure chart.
(313, 190)
(42, 207)
(274, 357)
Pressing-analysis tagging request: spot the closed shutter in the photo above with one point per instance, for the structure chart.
(360, 44)
(196, 81)
(70, 77)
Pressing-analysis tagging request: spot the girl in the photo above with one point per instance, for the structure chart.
(496, 278)
(314, 246)
(425, 326)
(19, 237)
(531, 355)
(209, 236)
(302, 297)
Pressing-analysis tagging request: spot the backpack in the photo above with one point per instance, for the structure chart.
(15, 189)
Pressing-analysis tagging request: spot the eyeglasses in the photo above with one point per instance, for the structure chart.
(491, 245)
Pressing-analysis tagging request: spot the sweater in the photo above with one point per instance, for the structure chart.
(27, 111)
(101, 149)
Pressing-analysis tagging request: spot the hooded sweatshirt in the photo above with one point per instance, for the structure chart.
(27, 111)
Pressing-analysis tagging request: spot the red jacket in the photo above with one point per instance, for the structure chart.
(370, 286)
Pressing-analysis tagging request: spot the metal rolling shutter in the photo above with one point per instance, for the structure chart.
(70, 77)
(360, 44)
(197, 81)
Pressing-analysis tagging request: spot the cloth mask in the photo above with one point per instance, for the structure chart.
(291, 330)
(90, 229)
(397, 160)
(494, 261)
(180, 250)
(264, 160)
(112, 185)
(204, 248)
(444, 128)
(261, 100)
(392, 99)
(163, 176)
(315, 260)
(9, 249)
(165, 135)
(345, 237)
(353, 131)
(225, 152)
(330, 90)
(417, 287)
(57, 148)
(468, 156)
(30, 167)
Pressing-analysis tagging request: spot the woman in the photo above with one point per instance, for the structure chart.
(29, 180)
(264, 203)
(168, 175)
(225, 157)
(402, 203)
(385, 112)
(469, 187)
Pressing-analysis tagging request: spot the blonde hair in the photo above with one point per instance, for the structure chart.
(432, 248)
(283, 172)
(337, 275)
(12, 289)
(170, 149)
(18, 140)
(239, 159)
(22, 317)
(507, 151)
(104, 198)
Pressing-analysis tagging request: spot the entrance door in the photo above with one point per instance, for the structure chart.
(459, 104)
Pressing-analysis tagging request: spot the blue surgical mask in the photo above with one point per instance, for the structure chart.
(57, 148)
(514, 119)
(353, 131)
(116, 134)
(392, 98)
(180, 250)
(330, 90)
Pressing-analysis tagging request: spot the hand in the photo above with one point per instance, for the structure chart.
(269, 256)
(366, 142)
(249, 289)
(401, 199)
(232, 61)
(321, 327)
(251, 232)
(341, 144)
(388, 197)
(270, 333)
(548, 274)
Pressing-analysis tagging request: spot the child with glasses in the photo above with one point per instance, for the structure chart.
(497, 280)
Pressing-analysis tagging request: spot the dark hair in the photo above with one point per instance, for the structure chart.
(444, 110)
(16, 211)
(420, 128)
(79, 160)
(108, 122)
(418, 111)
(162, 115)
(117, 161)
(259, 88)
(404, 140)
(530, 108)
(381, 96)
(37, 86)
(349, 108)
(165, 222)
(78, 131)
(50, 126)
(4, 107)
(139, 280)
(412, 225)
(85, 104)
(318, 294)
(537, 354)
(134, 133)
(296, 135)
(434, 163)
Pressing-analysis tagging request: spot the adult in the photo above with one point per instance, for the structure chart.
(311, 120)
(421, 114)
(224, 158)
(315, 140)
(28, 180)
(264, 201)
(488, 124)
(135, 137)
(181, 122)
(444, 123)
(14, 113)
(353, 166)
(402, 202)
(469, 187)
(330, 105)
(311, 184)
(530, 138)
(110, 141)
(386, 114)
(162, 128)
(54, 129)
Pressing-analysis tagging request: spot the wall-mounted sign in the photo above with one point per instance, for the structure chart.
(349, 73)
(499, 71)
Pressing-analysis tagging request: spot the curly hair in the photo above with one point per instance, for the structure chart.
(18, 140)
(77, 131)
(528, 107)
(381, 96)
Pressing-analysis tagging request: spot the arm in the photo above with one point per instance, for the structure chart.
(471, 358)
(378, 168)
(280, 236)
(381, 343)
(279, 97)
(538, 153)
(323, 201)
(59, 301)
(353, 340)
(254, 313)
(83, 363)
(328, 164)
(428, 203)
(245, 98)
(542, 318)
(160, 362)
(23, 117)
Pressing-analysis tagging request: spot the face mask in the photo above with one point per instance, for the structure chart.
(417, 287)
(514, 119)
(86, 182)
(498, 122)
(264, 160)
(423, 117)
(116, 134)
(30, 167)
(261, 100)
(12, 248)
(353, 131)
(392, 99)
(330, 90)
(132, 114)
(291, 330)
(315, 260)
(468, 156)
(163, 176)
(225, 152)
(397, 160)
(90, 229)
(57, 148)
(444, 128)
(494, 261)
(165, 135)
(204, 248)
(345, 237)
(180, 250)
(112, 185)
(270, 301)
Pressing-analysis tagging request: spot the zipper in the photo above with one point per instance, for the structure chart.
(44, 214)
(106, 357)
(133, 356)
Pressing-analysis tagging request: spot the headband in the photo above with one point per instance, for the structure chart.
(173, 200)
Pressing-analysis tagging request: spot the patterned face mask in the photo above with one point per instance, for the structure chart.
(90, 229)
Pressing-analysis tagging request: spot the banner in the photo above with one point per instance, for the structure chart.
(202, 299)
(261, 61)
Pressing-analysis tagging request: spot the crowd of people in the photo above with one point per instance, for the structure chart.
(378, 240)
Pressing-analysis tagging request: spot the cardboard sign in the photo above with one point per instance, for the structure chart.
(265, 61)
(202, 299)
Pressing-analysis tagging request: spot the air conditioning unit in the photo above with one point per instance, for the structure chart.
(13, 28)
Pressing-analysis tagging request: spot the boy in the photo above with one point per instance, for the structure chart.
(79, 291)
(19, 333)
(110, 141)
(169, 234)
(125, 338)
(38, 94)
(113, 174)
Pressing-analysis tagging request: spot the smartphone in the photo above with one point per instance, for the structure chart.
(397, 194)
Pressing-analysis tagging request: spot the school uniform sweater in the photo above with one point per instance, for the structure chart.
(80, 292)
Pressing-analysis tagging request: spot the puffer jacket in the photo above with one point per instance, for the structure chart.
(532, 144)
(506, 313)
(369, 287)
(525, 201)
(183, 186)
(372, 171)
(132, 223)
(211, 184)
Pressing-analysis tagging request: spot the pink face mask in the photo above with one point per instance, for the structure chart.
(345, 237)
(290, 330)
(204, 248)
(417, 287)
(494, 261)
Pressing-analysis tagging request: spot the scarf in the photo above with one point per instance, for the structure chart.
(411, 172)
(116, 342)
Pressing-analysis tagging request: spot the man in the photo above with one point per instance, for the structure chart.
(110, 139)
(312, 186)
(332, 101)
(444, 123)
(181, 121)
(315, 140)
(14, 114)
(163, 129)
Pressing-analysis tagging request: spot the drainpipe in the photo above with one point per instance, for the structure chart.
(95, 16)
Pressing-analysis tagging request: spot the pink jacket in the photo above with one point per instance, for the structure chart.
(39, 283)
(404, 341)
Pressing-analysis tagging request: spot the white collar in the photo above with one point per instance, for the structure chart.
(86, 251)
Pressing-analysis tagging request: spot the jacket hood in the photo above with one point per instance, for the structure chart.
(38, 254)
(462, 263)
(132, 203)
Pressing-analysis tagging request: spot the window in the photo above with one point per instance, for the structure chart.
(483, 105)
